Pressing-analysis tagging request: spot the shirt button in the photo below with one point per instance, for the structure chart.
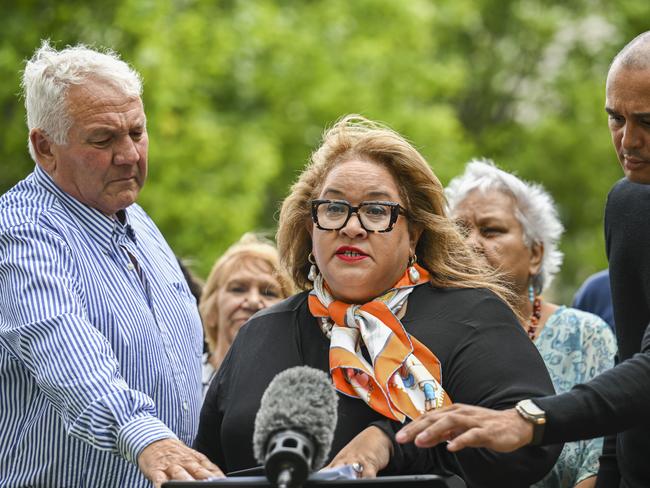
(129, 266)
(186, 406)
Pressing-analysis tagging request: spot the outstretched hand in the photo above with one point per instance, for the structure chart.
(468, 426)
(170, 459)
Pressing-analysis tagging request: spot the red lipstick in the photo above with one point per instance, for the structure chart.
(350, 254)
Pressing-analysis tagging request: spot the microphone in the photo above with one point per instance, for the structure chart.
(294, 426)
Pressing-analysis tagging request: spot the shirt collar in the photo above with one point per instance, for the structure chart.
(98, 226)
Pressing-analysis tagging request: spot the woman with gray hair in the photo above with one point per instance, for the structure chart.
(514, 225)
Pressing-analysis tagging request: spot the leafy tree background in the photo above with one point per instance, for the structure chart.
(238, 92)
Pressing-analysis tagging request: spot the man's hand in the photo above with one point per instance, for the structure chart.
(469, 426)
(369, 452)
(170, 459)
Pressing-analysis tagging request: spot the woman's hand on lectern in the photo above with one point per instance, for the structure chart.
(368, 453)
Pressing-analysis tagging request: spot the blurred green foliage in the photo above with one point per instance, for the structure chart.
(238, 92)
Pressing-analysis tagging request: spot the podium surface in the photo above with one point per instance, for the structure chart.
(411, 481)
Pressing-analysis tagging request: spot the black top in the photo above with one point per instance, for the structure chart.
(619, 399)
(487, 359)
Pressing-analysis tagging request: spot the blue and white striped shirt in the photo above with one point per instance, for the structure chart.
(97, 360)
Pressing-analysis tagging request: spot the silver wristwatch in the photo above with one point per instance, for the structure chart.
(530, 412)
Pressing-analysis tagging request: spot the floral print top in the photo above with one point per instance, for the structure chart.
(575, 346)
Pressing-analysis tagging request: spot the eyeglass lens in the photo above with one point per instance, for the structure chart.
(373, 216)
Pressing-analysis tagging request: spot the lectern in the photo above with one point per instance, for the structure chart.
(411, 481)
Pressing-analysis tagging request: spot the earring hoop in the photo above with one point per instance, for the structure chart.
(313, 269)
(414, 274)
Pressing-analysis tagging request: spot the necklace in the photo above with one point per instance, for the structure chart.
(533, 322)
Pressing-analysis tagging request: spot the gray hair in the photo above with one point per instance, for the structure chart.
(534, 209)
(49, 75)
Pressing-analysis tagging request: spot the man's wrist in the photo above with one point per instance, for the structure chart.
(535, 417)
(138, 434)
(523, 429)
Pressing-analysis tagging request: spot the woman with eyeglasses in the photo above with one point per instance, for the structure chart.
(395, 307)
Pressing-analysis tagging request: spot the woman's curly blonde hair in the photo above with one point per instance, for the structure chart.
(441, 249)
(252, 247)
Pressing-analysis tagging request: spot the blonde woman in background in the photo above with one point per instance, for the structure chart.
(244, 280)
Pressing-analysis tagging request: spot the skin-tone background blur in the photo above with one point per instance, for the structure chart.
(237, 93)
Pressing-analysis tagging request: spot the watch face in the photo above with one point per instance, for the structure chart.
(532, 409)
(536, 416)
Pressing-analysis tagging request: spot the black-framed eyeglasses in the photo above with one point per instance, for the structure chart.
(373, 216)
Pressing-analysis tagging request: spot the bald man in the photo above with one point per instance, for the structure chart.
(618, 401)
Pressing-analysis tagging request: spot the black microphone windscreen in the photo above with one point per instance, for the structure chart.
(301, 399)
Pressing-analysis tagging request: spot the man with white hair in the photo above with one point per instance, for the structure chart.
(618, 400)
(100, 339)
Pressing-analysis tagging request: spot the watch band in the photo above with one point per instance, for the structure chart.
(531, 413)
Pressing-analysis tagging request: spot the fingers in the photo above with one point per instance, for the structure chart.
(158, 478)
(179, 473)
(201, 472)
(462, 425)
(170, 459)
(366, 471)
(468, 426)
(413, 429)
(364, 468)
(443, 430)
(195, 466)
(435, 427)
(471, 438)
(189, 472)
(206, 468)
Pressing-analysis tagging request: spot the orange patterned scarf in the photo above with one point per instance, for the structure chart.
(404, 378)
